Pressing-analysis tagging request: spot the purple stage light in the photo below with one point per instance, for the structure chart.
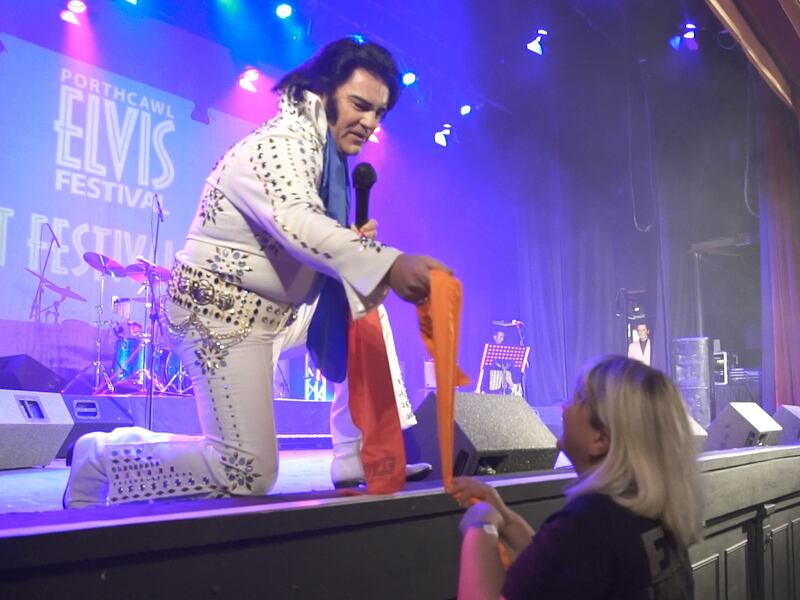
(284, 11)
(465, 110)
(409, 78)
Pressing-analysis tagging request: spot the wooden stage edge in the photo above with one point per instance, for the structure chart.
(324, 545)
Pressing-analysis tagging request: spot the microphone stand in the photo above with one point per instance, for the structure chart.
(153, 317)
(524, 373)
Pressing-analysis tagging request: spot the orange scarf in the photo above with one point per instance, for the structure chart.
(440, 324)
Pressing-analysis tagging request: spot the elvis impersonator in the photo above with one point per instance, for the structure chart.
(269, 237)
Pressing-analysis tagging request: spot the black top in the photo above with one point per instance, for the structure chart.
(595, 548)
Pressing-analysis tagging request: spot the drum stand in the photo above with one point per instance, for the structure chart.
(100, 372)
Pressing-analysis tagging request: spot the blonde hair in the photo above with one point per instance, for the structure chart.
(651, 464)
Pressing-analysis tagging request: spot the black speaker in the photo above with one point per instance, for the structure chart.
(94, 413)
(21, 372)
(497, 432)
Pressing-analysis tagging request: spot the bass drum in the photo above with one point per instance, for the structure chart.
(171, 373)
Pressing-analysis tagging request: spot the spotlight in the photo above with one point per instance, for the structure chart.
(358, 38)
(409, 78)
(440, 137)
(535, 45)
(284, 11)
(465, 110)
(70, 17)
(247, 79)
(687, 37)
(76, 6)
(134, 2)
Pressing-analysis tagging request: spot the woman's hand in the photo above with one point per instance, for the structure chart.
(514, 530)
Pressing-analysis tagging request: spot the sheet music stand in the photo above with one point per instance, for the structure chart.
(516, 355)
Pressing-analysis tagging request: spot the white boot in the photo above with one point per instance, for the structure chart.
(88, 483)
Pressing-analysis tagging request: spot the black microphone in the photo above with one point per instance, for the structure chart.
(364, 177)
(53, 233)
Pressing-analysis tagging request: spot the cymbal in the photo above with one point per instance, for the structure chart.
(138, 271)
(105, 264)
(65, 292)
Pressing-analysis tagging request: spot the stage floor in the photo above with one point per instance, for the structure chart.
(40, 488)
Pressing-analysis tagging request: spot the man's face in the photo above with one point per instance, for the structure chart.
(361, 102)
(643, 332)
(499, 337)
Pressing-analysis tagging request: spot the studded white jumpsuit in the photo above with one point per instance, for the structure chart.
(243, 287)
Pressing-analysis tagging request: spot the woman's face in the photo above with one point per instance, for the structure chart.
(580, 441)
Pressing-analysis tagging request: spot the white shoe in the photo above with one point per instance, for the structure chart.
(347, 470)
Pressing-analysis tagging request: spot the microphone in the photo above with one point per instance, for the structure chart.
(53, 233)
(157, 202)
(364, 177)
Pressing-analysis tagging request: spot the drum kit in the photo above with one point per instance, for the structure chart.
(141, 360)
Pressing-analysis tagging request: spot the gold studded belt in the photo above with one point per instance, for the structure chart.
(207, 294)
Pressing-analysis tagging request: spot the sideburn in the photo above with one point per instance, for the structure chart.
(331, 111)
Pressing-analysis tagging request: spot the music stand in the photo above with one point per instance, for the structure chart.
(516, 355)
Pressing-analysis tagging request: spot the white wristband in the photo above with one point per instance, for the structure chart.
(487, 527)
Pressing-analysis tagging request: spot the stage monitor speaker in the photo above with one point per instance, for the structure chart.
(742, 425)
(699, 434)
(21, 372)
(490, 431)
(94, 413)
(33, 426)
(788, 417)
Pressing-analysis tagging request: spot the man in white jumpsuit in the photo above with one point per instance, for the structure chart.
(247, 282)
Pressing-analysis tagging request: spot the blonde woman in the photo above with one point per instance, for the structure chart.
(629, 518)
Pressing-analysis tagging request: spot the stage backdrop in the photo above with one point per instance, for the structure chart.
(86, 151)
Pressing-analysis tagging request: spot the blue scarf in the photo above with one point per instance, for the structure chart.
(328, 330)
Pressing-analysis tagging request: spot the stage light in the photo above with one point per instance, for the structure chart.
(440, 137)
(70, 17)
(686, 38)
(284, 11)
(465, 110)
(374, 137)
(134, 2)
(536, 44)
(358, 38)
(247, 79)
(409, 78)
(76, 6)
(250, 74)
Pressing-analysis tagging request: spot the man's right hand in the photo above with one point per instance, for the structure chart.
(409, 276)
